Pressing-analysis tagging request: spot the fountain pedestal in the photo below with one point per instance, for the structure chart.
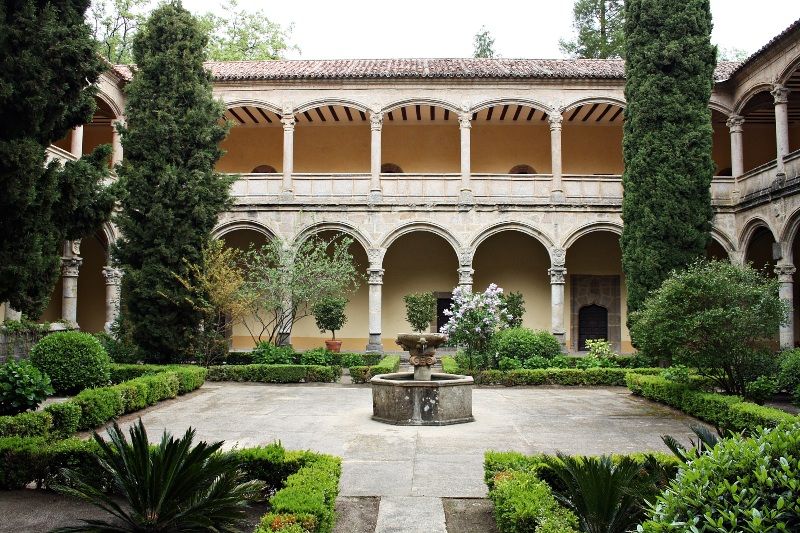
(422, 398)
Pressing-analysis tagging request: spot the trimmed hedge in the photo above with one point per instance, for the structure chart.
(723, 411)
(274, 373)
(387, 365)
(39, 460)
(449, 365)
(189, 377)
(30, 424)
(549, 376)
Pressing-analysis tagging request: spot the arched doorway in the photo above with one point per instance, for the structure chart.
(592, 324)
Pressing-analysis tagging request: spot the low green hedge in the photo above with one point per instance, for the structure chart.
(549, 376)
(30, 424)
(274, 373)
(39, 460)
(387, 365)
(723, 411)
(189, 377)
(449, 365)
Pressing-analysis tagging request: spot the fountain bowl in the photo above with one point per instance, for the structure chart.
(401, 400)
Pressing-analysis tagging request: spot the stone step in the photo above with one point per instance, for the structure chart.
(410, 514)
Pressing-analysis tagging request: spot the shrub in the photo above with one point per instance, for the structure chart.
(535, 362)
(35, 424)
(761, 389)
(73, 360)
(676, 373)
(523, 343)
(507, 363)
(601, 348)
(387, 365)
(273, 373)
(317, 356)
(98, 406)
(352, 359)
(474, 318)
(22, 387)
(266, 353)
(40, 460)
(739, 485)
(525, 504)
(716, 317)
(515, 308)
(594, 361)
(420, 310)
(119, 344)
(329, 314)
(789, 370)
(66, 418)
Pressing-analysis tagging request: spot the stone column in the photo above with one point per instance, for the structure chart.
(376, 125)
(70, 268)
(375, 280)
(116, 143)
(11, 313)
(736, 125)
(556, 189)
(558, 274)
(465, 271)
(113, 277)
(785, 274)
(465, 124)
(287, 119)
(781, 95)
(76, 142)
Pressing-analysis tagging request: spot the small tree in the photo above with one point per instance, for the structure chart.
(599, 32)
(716, 317)
(329, 314)
(285, 284)
(483, 44)
(515, 308)
(420, 310)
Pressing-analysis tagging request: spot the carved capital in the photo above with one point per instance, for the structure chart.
(735, 123)
(465, 275)
(465, 120)
(112, 276)
(375, 276)
(376, 121)
(288, 122)
(559, 257)
(70, 266)
(557, 275)
(375, 257)
(780, 93)
(785, 273)
(555, 119)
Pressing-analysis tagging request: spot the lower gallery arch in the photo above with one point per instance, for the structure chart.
(759, 251)
(715, 250)
(595, 278)
(353, 335)
(518, 263)
(419, 261)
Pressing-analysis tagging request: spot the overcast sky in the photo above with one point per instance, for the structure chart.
(325, 29)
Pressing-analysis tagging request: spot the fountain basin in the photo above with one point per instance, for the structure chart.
(401, 400)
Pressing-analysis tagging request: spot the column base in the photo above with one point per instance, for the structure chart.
(375, 197)
(465, 197)
(562, 340)
(557, 197)
(287, 196)
(374, 343)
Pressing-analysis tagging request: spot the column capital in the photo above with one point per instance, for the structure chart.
(557, 275)
(735, 123)
(70, 266)
(785, 272)
(558, 257)
(112, 275)
(465, 120)
(375, 275)
(780, 93)
(288, 121)
(555, 119)
(375, 121)
(465, 273)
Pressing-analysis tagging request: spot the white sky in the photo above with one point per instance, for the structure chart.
(325, 29)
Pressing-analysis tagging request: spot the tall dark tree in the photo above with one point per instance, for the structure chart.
(47, 67)
(667, 140)
(599, 30)
(171, 195)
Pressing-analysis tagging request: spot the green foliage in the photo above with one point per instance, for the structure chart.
(677, 373)
(189, 377)
(483, 44)
(387, 365)
(789, 370)
(601, 348)
(716, 317)
(329, 314)
(274, 373)
(525, 504)
(72, 360)
(666, 204)
(98, 406)
(554, 376)
(507, 363)
(266, 353)
(22, 387)
(40, 460)
(34, 424)
(286, 283)
(523, 343)
(347, 360)
(114, 23)
(706, 440)
(171, 195)
(420, 310)
(729, 413)
(515, 308)
(741, 485)
(46, 90)
(449, 365)
(762, 389)
(175, 485)
(595, 361)
(317, 356)
(66, 418)
(599, 30)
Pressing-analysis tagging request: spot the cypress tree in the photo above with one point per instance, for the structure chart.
(47, 68)
(171, 195)
(667, 140)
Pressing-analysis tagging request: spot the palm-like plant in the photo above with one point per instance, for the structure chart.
(706, 441)
(174, 486)
(606, 496)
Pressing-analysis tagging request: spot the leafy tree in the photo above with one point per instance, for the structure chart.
(285, 284)
(46, 88)
(716, 317)
(667, 140)
(171, 194)
(732, 54)
(515, 308)
(483, 44)
(599, 30)
(329, 314)
(114, 23)
(420, 310)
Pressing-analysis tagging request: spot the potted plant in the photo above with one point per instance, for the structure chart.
(329, 315)
(420, 310)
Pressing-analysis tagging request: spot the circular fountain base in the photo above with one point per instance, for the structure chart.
(443, 400)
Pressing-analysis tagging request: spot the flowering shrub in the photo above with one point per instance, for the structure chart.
(475, 317)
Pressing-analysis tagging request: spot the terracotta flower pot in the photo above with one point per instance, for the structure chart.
(333, 346)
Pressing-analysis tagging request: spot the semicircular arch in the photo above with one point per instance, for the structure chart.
(322, 102)
(238, 225)
(519, 227)
(428, 227)
(749, 230)
(592, 227)
(340, 227)
(435, 102)
(526, 102)
(595, 100)
(253, 103)
(758, 88)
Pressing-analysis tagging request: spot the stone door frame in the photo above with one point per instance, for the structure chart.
(604, 291)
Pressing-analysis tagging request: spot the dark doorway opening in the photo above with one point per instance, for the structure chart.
(442, 303)
(592, 324)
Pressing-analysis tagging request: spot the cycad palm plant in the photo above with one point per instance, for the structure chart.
(174, 486)
(607, 496)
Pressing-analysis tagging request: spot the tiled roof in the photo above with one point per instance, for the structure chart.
(792, 27)
(470, 68)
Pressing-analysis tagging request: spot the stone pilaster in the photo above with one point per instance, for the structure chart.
(113, 278)
(785, 272)
(465, 271)
(558, 273)
(116, 142)
(76, 141)
(376, 126)
(288, 121)
(735, 124)
(465, 126)
(556, 189)
(375, 281)
(781, 95)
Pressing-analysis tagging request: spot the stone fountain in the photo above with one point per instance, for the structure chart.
(422, 398)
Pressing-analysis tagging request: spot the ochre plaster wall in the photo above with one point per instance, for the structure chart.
(721, 148)
(248, 147)
(434, 148)
(496, 148)
(591, 148)
(91, 286)
(758, 144)
(344, 148)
